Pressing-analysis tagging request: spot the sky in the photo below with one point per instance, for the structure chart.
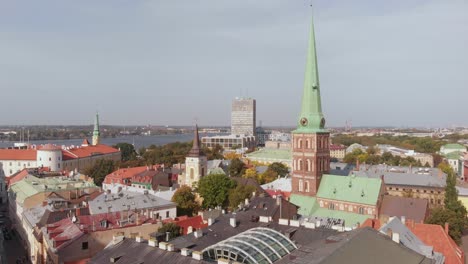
(166, 62)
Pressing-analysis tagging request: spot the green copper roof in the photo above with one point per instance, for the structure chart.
(271, 154)
(454, 146)
(352, 189)
(454, 155)
(308, 206)
(311, 118)
(96, 126)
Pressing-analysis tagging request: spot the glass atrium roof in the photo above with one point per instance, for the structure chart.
(255, 246)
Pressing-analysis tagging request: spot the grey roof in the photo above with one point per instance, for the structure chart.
(424, 177)
(364, 245)
(34, 214)
(261, 169)
(411, 208)
(120, 202)
(462, 191)
(221, 230)
(282, 184)
(341, 168)
(128, 251)
(410, 240)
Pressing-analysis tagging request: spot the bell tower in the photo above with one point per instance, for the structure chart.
(96, 132)
(310, 140)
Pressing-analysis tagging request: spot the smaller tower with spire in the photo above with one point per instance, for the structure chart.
(196, 163)
(96, 133)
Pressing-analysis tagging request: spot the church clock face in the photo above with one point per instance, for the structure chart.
(322, 123)
(303, 121)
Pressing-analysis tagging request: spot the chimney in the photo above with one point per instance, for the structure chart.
(232, 222)
(396, 238)
(210, 221)
(168, 235)
(170, 247)
(152, 242)
(278, 200)
(447, 228)
(246, 202)
(139, 239)
(198, 233)
(185, 252)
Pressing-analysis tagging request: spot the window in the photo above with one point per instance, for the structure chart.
(432, 201)
(309, 167)
(192, 173)
(361, 210)
(439, 201)
(307, 186)
(331, 206)
(300, 143)
(167, 214)
(307, 144)
(84, 245)
(157, 216)
(299, 164)
(50, 159)
(301, 185)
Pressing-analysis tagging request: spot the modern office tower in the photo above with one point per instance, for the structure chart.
(243, 116)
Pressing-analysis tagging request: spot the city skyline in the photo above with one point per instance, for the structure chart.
(161, 63)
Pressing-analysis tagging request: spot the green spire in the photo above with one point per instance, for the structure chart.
(311, 118)
(96, 126)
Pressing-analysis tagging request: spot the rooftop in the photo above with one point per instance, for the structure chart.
(352, 189)
(126, 200)
(411, 208)
(275, 154)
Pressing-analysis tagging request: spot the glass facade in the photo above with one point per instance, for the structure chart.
(256, 246)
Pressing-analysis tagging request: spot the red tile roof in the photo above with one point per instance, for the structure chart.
(87, 151)
(119, 175)
(17, 177)
(275, 193)
(431, 235)
(435, 235)
(185, 222)
(18, 154)
(337, 147)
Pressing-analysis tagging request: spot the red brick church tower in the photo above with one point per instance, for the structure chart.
(310, 141)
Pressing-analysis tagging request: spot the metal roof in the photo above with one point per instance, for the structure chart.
(257, 245)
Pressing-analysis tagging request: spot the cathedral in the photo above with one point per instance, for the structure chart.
(348, 200)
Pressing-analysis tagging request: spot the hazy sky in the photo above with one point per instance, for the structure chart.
(400, 63)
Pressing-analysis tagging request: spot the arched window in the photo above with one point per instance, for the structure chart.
(294, 165)
(361, 210)
(299, 164)
(309, 166)
(300, 143)
(331, 206)
(192, 173)
(301, 186)
(307, 187)
(307, 143)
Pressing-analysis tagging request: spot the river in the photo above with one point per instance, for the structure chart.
(139, 141)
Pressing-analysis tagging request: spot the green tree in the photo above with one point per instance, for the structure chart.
(100, 170)
(453, 212)
(236, 168)
(127, 150)
(214, 189)
(185, 200)
(239, 194)
(173, 229)
(353, 156)
(279, 168)
(268, 176)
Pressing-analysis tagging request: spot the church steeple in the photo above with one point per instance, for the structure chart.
(311, 141)
(196, 150)
(311, 118)
(96, 132)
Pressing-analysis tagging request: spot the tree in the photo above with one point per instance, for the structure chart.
(250, 173)
(239, 194)
(127, 150)
(453, 212)
(214, 189)
(185, 200)
(173, 229)
(236, 168)
(100, 170)
(268, 176)
(279, 168)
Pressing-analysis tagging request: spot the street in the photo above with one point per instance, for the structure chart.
(11, 249)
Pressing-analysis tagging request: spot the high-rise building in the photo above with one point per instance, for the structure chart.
(243, 116)
(310, 150)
